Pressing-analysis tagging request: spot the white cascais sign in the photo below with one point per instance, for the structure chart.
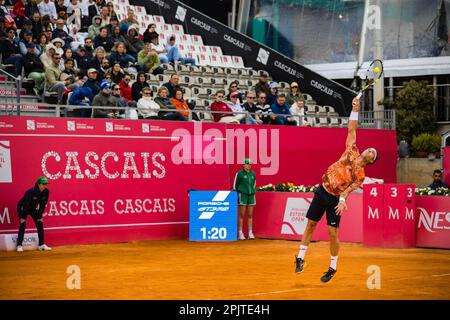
(8, 242)
(5, 162)
(294, 221)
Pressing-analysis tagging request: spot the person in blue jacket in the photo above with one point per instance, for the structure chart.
(81, 97)
(279, 107)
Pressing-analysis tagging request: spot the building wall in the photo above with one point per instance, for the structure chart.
(418, 171)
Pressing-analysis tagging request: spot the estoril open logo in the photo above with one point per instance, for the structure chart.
(159, 3)
(217, 204)
(435, 221)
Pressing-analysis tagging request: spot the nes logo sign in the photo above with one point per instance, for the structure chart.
(294, 221)
(263, 56)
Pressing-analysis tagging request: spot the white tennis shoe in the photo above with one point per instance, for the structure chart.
(19, 249)
(44, 247)
(241, 236)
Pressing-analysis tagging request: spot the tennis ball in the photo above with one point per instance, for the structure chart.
(376, 70)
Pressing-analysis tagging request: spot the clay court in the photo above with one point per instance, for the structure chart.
(260, 269)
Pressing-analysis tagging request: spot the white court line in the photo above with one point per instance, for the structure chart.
(104, 226)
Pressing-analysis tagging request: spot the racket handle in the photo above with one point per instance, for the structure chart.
(359, 95)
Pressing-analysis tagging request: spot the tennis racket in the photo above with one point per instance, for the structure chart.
(373, 75)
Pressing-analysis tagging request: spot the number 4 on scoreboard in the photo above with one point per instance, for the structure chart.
(373, 192)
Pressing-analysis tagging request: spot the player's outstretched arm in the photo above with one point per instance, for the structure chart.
(352, 123)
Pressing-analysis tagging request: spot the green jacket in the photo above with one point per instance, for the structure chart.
(245, 182)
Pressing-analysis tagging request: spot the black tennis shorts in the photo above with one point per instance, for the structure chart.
(324, 202)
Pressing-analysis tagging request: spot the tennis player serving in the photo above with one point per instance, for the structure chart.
(340, 179)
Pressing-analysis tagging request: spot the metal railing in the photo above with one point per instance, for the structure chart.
(13, 85)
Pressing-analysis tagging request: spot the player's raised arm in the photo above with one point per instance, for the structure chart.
(352, 123)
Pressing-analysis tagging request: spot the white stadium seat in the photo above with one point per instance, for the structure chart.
(149, 19)
(194, 48)
(216, 50)
(227, 61)
(158, 19)
(177, 29)
(167, 28)
(216, 61)
(186, 39)
(238, 62)
(203, 59)
(197, 40)
(140, 10)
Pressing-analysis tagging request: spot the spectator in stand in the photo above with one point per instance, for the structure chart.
(108, 77)
(279, 107)
(263, 109)
(134, 43)
(52, 82)
(94, 28)
(250, 106)
(82, 60)
(272, 96)
(173, 53)
(437, 180)
(74, 13)
(48, 8)
(298, 109)
(3, 10)
(19, 13)
(105, 17)
(113, 22)
(84, 15)
(78, 38)
(92, 82)
(172, 84)
(28, 38)
(104, 70)
(181, 104)
(81, 97)
(159, 48)
(31, 8)
(148, 61)
(70, 73)
(116, 72)
(163, 101)
(61, 9)
(119, 54)
(11, 51)
(263, 84)
(219, 105)
(130, 20)
(294, 94)
(236, 107)
(111, 11)
(36, 24)
(59, 45)
(34, 69)
(125, 90)
(97, 59)
(46, 58)
(103, 40)
(150, 32)
(147, 107)
(119, 99)
(234, 87)
(27, 26)
(68, 54)
(138, 86)
(89, 46)
(105, 99)
(42, 41)
(60, 32)
(47, 26)
(116, 35)
(94, 8)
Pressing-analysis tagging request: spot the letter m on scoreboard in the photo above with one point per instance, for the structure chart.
(373, 213)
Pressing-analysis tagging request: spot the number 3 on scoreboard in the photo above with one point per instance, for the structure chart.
(394, 192)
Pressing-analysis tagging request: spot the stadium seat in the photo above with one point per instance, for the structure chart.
(158, 19)
(238, 62)
(216, 50)
(186, 39)
(334, 122)
(177, 29)
(323, 122)
(197, 40)
(203, 59)
(215, 60)
(227, 61)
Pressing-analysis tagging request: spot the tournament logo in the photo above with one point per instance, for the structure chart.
(263, 56)
(70, 125)
(294, 221)
(109, 127)
(31, 125)
(145, 128)
(181, 13)
(5, 162)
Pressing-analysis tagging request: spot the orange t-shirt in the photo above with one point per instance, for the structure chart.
(181, 105)
(344, 173)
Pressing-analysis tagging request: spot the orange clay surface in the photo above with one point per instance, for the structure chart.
(259, 269)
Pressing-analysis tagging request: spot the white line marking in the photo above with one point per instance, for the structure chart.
(221, 195)
(104, 226)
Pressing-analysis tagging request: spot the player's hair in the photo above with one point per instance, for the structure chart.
(437, 171)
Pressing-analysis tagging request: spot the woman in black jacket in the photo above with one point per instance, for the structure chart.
(137, 87)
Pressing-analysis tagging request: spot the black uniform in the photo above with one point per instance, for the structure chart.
(32, 203)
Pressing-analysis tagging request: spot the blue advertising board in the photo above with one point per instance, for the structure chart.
(212, 216)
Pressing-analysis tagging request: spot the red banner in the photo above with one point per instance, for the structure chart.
(433, 221)
(125, 180)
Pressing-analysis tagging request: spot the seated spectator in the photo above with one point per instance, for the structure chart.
(82, 60)
(172, 84)
(78, 38)
(147, 108)
(36, 24)
(105, 99)
(148, 61)
(150, 32)
(134, 43)
(41, 42)
(279, 107)
(59, 45)
(181, 104)
(61, 9)
(74, 13)
(48, 8)
(85, 20)
(81, 97)
(272, 96)
(116, 35)
(68, 54)
(31, 7)
(104, 70)
(250, 106)
(3, 10)
(437, 180)
(159, 49)
(46, 58)
(119, 54)
(70, 73)
(108, 77)
(47, 26)
(11, 52)
(138, 86)
(294, 94)
(94, 28)
(125, 90)
(27, 26)
(111, 11)
(236, 107)
(163, 101)
(52, 82)
(173, 53)
(34, 69)
(130, 19)
(119, 99)
(103, 40)
(219, 105)
(92, 82)
(263, 109)
(105, 17)
(61, 32)
(298, 109)
(113, 23)
(19, 13)
(94, 8)
(97, 59)
(263, 84)
(116, 72)
(28, 38)
(233, 87)
(89, 46)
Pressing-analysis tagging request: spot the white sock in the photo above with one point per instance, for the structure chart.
(333, 263)
(250, 231)
(240, 232)
(302, 252)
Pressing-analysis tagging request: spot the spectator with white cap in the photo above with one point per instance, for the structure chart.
(272, 96)
(291, 98)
